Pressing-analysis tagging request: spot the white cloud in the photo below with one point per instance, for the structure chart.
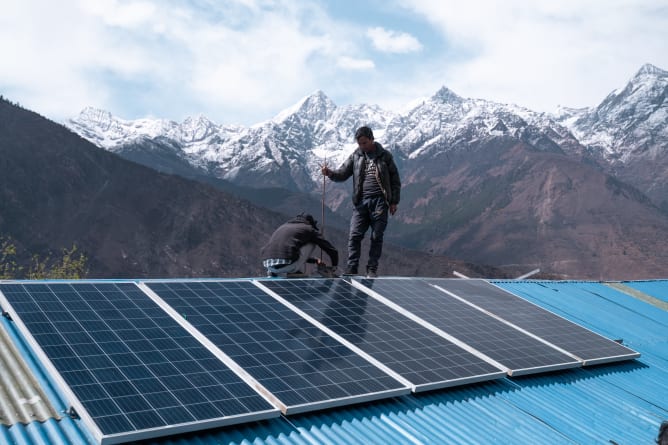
(121, 14)
(541, 54)
(245, 60)
(42, 47)
(350, 63)
(263, 67)
(393, 41)
(114, 54)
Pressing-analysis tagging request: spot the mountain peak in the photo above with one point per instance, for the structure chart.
(446, 95)
(196, 128)
(92, 114)
(649, 69)
(320, 103)
(197, 120)
(315, 106)
(319, 95)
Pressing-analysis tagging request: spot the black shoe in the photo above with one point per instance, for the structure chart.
(371, 273)
(350, 271)
(271, 275)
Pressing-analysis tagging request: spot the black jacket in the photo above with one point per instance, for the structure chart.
(286, 241)
(388, 174)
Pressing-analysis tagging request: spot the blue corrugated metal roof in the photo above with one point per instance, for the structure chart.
(621, 403)
(655, 288)
(600, 308)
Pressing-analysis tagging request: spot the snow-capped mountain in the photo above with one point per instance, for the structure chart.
(447, 122)
(193, 136)
(287, 150)
(483, 181)
(630, 119)
(626, 131)
(629, 122)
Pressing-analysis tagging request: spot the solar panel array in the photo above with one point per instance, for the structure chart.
(582, 343)
(133, 369)
(143, 360)
(419, 355)
(514, 350)
(303, 367)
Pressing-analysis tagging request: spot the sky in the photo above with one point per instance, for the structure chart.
(244, 61)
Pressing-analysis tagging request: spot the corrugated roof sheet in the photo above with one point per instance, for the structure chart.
(622, 403)
(22, 399)
(655, 288)
(33, 410)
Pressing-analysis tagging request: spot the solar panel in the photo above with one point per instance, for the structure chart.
(423, 358)
(128, 368)
(502, 344)
(582, 343)
(301, 367)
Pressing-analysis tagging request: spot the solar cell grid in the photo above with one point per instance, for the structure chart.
(417, 354)
(300, 365)
(503, 344)
(119, 367)
(582, 343)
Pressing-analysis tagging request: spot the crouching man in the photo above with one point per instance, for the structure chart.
(291, 246)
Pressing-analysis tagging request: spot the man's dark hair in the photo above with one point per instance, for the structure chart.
(309, 219)
(364, 131)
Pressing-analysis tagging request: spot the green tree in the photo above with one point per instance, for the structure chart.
(8, 267)
(71, 265)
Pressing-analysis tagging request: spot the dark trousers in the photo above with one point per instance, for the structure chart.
(371, 212)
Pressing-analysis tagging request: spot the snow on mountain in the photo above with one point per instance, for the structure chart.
(447, 121)
(629, 121)
(316, 106)
(299, 139)
(107, 131)
(315, 130)
(195, 134)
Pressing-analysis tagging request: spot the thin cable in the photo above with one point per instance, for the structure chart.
(322, 216)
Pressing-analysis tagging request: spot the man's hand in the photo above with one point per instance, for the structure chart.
(326, 171)
(393, 209)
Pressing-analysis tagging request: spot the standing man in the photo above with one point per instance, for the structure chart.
(291, 246)
(376, 191)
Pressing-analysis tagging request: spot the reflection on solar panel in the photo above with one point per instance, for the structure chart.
(130, 370)
(503, 344)
(301, 366)
(584, 344)
(423, 358)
